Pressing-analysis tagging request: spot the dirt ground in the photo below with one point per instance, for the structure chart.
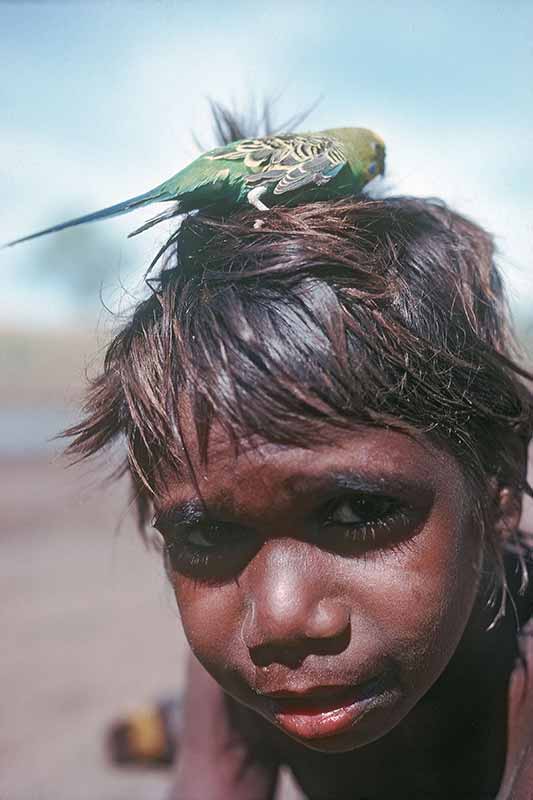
(89, 629)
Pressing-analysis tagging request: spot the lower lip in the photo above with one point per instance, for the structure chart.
(320, 720)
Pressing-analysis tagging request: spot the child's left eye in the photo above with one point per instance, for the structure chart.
(346, 514)
(360, 510)
(365, 521)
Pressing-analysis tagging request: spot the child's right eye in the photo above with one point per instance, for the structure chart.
(209, 550)
(201, 538)
(211, 536)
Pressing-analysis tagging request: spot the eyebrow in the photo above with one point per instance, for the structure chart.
(195, 512)
(190, 512)
(355, 482)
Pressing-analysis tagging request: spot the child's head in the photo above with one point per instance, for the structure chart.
(321, 406)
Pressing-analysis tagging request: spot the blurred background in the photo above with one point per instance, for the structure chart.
(99, 101)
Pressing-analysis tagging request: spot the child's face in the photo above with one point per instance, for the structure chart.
(327, 588)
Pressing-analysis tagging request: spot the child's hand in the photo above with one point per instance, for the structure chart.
(217, 757)
(517, 782)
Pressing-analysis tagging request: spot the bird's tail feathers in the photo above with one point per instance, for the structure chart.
(153, 196)
(174, 212)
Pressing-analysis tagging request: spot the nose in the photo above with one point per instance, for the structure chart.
(291, 606)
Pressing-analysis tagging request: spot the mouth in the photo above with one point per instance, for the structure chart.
(326, 710)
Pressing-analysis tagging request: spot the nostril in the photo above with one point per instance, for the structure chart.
(274, 629)
(269, 654)
(292, 653)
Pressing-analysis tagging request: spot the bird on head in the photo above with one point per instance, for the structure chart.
(289, 169)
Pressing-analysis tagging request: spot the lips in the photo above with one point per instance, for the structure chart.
(324, 710)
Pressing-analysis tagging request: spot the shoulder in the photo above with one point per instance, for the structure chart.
(517, 782)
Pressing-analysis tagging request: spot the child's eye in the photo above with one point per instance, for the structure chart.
(365, 521)
(212, 536)
(206, 550)
(346, 513)
(360, 510)
(203, 539)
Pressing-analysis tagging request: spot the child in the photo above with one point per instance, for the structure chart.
(322, 412)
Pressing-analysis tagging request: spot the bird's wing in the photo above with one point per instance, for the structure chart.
(291, 161)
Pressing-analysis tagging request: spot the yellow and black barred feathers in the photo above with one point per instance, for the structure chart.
(291, 161)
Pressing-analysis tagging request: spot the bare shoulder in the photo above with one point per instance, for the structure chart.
(517, 783)
(222, 750)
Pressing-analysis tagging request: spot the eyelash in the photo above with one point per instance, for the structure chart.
(385, 514)
(183, 555)
(390, 514)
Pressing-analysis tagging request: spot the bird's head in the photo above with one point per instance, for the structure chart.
(365, 151)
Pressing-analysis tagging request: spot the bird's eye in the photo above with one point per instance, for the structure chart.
(372, 167)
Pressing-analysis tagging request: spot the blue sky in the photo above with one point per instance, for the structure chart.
(99, 99)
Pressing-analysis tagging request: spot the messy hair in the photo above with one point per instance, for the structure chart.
(281, 325)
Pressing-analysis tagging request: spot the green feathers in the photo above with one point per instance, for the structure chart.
(286, 169)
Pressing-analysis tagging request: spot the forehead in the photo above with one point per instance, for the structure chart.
(251, 471)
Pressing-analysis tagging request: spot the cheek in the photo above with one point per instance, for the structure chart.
(211, 618)
(419, 598)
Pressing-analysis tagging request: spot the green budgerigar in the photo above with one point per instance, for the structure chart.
(283, 169)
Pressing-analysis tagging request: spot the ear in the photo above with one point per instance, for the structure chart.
(506, 487)
(507, 505)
